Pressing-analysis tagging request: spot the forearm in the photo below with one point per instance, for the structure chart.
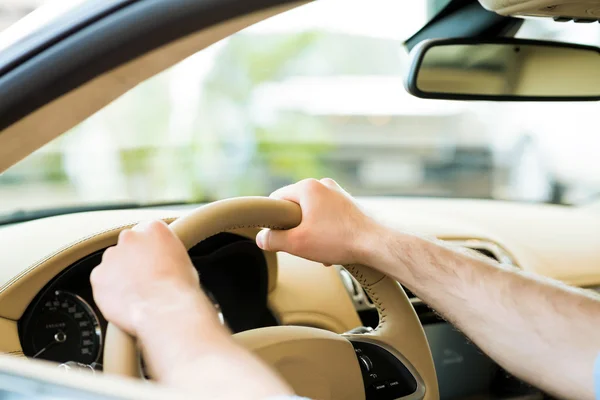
(187, 348)
(538, 329)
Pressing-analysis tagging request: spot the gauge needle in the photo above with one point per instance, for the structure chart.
(59, 337)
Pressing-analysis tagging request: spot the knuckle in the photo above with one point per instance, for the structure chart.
(95, 277)
(311, 184)
(108, 253)
(158, 226)
(299, 239)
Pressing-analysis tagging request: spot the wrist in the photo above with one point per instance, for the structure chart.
(367, 245)
(181, 329)
(387, 250)
(174, 306)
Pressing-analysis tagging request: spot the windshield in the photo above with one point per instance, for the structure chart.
(315, 92)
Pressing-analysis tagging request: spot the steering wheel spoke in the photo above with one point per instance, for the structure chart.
(386, 373)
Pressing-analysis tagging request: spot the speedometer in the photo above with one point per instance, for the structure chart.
(63, 328)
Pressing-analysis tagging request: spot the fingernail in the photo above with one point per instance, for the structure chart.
(260, 239)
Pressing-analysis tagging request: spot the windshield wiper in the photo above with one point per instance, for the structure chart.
(30, 215)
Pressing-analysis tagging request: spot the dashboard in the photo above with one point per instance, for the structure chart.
(64, 325)
(46, 299)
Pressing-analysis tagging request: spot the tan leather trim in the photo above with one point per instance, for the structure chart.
(30, 133)
(17, 293)
(118, 342)
(9, 338)
(316, 363)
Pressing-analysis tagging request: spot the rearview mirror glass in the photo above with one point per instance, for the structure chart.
(505, 69)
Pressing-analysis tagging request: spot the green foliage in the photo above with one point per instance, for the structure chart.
(39, 167)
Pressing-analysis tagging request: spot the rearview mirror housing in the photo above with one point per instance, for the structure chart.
(504, 69)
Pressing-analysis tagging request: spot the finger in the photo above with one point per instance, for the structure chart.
(126, 235)
(108, 252)
(95, 276)
(290, 193)
(272, 240)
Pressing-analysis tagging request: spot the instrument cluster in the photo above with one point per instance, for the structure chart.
(64, 325)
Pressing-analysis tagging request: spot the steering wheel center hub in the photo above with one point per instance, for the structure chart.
(310, 359)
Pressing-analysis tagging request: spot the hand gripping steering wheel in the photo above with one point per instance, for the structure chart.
(393, 361)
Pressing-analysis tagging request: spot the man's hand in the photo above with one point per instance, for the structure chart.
(334, 230)
(147, 286)
(147, 272)
(540, 330)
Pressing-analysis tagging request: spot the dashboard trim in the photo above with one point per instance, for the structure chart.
(495, 249)
(19, 292)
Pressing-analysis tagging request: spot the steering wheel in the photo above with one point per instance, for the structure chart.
(392, 361)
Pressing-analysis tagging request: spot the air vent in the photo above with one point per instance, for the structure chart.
(359, 297)
(488, 249)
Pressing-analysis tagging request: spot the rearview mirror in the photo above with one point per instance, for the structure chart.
(504, 69)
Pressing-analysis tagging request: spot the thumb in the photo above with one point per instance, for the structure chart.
(272, 240)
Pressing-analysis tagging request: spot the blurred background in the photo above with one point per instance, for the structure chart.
(314, 92)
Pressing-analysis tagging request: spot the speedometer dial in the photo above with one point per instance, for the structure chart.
(65, 328)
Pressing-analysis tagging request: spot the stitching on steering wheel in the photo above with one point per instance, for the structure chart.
(374, 297)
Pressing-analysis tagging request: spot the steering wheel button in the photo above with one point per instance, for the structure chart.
(393, 384)
(378, 387)
(365, 363)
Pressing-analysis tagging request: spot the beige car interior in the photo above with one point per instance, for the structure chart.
(311, 302)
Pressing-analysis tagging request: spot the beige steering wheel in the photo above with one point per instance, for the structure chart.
(393, 361)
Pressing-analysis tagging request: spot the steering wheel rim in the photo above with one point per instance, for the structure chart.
(399, 331)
